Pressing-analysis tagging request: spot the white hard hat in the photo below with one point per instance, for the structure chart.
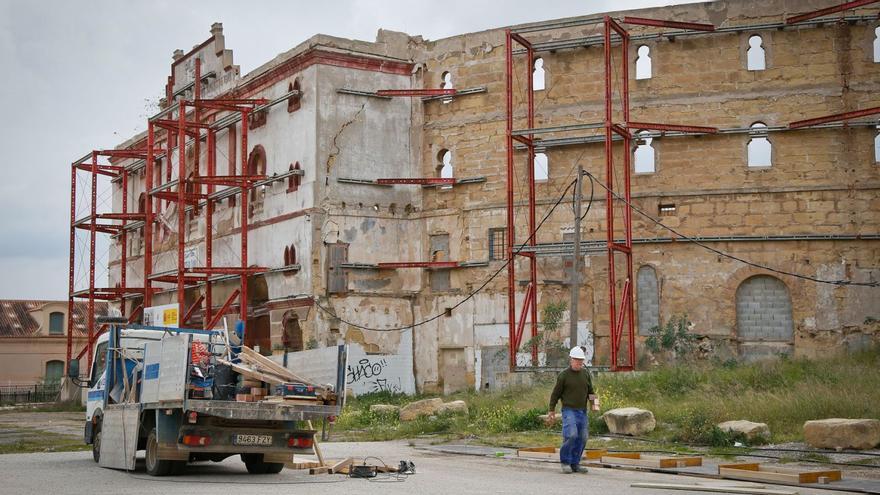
(577, 353)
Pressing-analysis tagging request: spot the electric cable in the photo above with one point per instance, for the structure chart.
(469, 296)
(728, 255)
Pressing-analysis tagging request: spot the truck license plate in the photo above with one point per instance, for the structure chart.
(252, 440)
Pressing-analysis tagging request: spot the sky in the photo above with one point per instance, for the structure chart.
(79, 76)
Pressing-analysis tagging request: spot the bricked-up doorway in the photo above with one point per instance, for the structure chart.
(763, 318)
(647, 299)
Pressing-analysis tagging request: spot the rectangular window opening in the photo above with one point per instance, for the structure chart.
(666, 209)
(497, 244)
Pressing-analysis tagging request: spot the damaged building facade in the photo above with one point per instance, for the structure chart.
(353, 241)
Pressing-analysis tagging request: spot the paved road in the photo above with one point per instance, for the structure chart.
(75, 472)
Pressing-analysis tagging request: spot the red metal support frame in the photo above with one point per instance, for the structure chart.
(827, 11)
(838, 117)
(71, 288)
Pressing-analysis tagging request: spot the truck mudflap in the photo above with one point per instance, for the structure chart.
(261, 411)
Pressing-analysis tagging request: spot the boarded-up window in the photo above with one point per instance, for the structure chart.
(497, 244)
(647, 299)
(54, 370)
(764, 323)
(337, 277)
(440, 252)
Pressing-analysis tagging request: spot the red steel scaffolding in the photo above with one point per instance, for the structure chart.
(620, 286)
(179, 129)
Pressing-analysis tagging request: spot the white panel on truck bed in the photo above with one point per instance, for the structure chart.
(152, 365)
(173, 367)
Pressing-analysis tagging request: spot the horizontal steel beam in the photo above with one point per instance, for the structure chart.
(838, 117)
(641, 21)
(827, 11)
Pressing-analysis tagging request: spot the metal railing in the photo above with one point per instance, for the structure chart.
(26, 394)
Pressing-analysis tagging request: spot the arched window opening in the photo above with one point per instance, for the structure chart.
(764, 323)
(294, 181)
(877, 146)
(756, 57)
(644, 156)
(291, 255)
(542, 167)
(446, 83)
(54, 371)
(294, 101)
(256, 167)
(877, 44)
(538, 75)
(643, 63)
(445, 167)
(760, 150)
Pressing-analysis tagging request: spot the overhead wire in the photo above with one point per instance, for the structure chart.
(728, 255)
(473, 293)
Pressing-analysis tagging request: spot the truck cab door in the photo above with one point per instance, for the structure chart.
(97, 382)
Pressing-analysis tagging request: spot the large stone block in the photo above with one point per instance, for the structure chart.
(837, 433)
(630, 421)
(418, 408)
(754, 432)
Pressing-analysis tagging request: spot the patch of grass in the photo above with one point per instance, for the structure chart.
(52, 407)
(688, 401)
(29, 440)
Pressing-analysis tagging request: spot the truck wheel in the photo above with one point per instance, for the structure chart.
(255, 465)
(156, 466)
(96, 443)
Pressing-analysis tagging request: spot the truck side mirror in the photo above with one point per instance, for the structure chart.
(73, 368)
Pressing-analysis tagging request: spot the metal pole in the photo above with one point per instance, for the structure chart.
(575, 276)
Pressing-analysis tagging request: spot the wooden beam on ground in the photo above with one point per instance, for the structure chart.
(714, 488)
(764, 472)
(654, 461)
(338, 467)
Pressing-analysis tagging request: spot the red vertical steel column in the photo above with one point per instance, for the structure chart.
(627, 171)
(196, 185)
(92, 231)
(124, 242)
(511, 236)
(70, 272)
(148, 215)
(245, 190)
(209, 226)
(609, 197)
(181, 205)
(530, 171)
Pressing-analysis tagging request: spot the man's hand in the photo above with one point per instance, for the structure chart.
(552, 416)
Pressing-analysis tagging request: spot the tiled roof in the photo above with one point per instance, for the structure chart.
(17, 317)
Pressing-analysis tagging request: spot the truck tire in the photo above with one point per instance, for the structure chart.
(156, 466)
(96, 442)
(255, 465)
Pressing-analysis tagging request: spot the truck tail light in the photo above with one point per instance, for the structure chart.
(299, 442)
(196, 440)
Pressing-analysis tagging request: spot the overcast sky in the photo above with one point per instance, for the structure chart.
(76, 77)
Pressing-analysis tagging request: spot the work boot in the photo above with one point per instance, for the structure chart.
(566, 469)
(576, 468)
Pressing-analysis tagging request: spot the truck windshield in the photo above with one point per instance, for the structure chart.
(100, 363)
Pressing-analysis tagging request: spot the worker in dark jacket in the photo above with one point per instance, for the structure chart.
(574, 387)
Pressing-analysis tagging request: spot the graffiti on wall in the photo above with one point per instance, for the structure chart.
(372, 375)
